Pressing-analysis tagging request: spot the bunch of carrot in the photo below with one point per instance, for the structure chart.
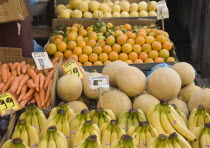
(27, 83)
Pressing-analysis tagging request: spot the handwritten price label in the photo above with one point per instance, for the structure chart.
(162, 10)
(8, 102)
(71, 67)
(42, 60)
(97, 82)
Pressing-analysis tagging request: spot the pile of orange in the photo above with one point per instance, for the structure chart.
(132, 46)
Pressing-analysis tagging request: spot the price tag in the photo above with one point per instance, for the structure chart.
(162, 10)
(71, 67)
(8, 102)
(99, 82)
(42, 60)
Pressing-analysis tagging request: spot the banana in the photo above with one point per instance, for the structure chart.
(192, 122)
(95, 119)
(86, 132)
(131, 130)
(24, 115)
(79, 136)
(7, 144)
(44, 142)
(96, 128)
(41, 118)
(204, 138)
(92, 114)
(176, 144)
(104, 127)
(141, 116)
(207, 117)
(51, 142)
(142, 140)
(150, 111)
(129, 122)
(107, 119)
(35, 122)
(197, 132)
(61, 135)
(29, 117)
(110, 114)
(153, 131)
(33, 138)
(59, 124)
(105, 138)
(153, 143)
(114, 135)
(148, 135)
(65, 128)
(182, 142)
(135, 121)
(17, 132)
(24, 134)
(123, 119)
(200, 121)
(136, 137)
(169, 144)
(101, 119)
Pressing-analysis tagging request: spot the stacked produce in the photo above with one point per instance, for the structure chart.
(102, 43)
(91, 141)
(17, 142)
(27, 83)
(106, 9)
(126, 141)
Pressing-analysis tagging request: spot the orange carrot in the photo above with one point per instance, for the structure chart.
(23, 63)
(4, 73)
(1, 79)
(33, 67)
(23, 81)
(28, 66)
(10, 65)
(55, 66)
(49, 102)
(55, 60)
(21, 77)
(14, 73)
(28, 94)
(14, 66)
(36, 81)
(37, 98)
(41, 71)
(18, 69)
(48, 90)
(23, 92)
(8, 74)
(42, 95)
(31, 73)
(1, 86)
(36, 70)
(49, 77)
(41, 81)
(24, 69)
(32, 101)
(0, 63)
(31, 84)
(14, 85)
(7, 85)
(23, 103)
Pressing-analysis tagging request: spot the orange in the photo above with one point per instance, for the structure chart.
(146, 48)
(86, 39)
(52, 38)
(51, 49)
(164, 53)
(138, 61)
(159, 59)
(167, 45)
(77, 51)
(133, 56)
(166, 34)
(87, 50)
(59, 37)
(129, 62)
(121, 39)
(107, 49)
(83, 58)
(149, 39)
(74, 28)
(125, 36)
(149, 60)
(71, 45)
(156, 45)
(83, 33)
(75, 33)
(87, 64)
(102, 43)
(117, 28)
(131, 35)
(116, 48)
(98, 63)
(80, 64)
(127, 27)
(148, 30)
(142, 30)
(93, 57)
(91, 43)
(123, 56)
(68, 28)
(142, 34)
(126, 48)
(110, 40)
(140, 40)
(170, 59)
(143, 56)
(74, 56)
(81, 44)
(58, 54)
(79, 38)
(97, 49)
(113, 56)
(92, 35)
(89, 29)
(117, 33)
(103, 57)
(153, 54)
(62, 46)
(161, 38)
(136, 48)
(131, 41)
(67, 54)
(71, 37)
(107, 62)
(57, 41)
(159, 32)
(76, 25)
(80, 27)
(151, 34)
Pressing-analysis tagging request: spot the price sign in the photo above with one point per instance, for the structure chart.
(71, 67)
(8, 102)
(42, 60)
(162, 10)
(99, 82)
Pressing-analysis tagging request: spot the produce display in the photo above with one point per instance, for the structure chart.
(4, 122)
(101, 43)
(106, 9)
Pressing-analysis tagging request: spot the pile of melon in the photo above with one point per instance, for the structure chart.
(129, 88)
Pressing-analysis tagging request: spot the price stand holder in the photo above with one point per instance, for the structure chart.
(162, 12)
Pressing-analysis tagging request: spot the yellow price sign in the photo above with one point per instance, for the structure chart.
(71, 67)
(8, 102)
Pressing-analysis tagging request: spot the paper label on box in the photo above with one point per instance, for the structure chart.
(99, 82)
(162, 10)
(42, 60)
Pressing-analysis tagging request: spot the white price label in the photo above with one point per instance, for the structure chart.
(99, 82)
(42, 60)
(162, 10)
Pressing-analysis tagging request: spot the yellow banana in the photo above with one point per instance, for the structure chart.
(105, 138)
(44, 142)
(153, 131)
(59, 124)
(197, 132)
(129, 122)
(192, 122)
(95, 128)
(51, 142)
(135, 121)
(107, 118)
(59, 141)
(148, 136)
(141, 116)
(24, 135)
(92, 113)
(95, 119)
(114, 135)
(136, 140)
(33, 137)
(142, 140)
(207, 117)
(65, 128)
(200, 121)
(123, 119)
(61, 135)
(150, 111)
(169, 143)
(35, 122)
(131, 130)
(29, 117)
(79, 136)
(104, 127)
(204, 138)
(176, 144)
(183, 143)
(17, 131)
(101, 119)
(54, 111)
(120, 131)
(110, 114)
(41, 118)
(7, 144)
(24, 115)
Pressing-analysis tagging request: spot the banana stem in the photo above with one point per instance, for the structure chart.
(17, 141)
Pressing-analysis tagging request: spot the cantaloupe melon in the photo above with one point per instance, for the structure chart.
(111, 70)
(116, 101)
(131, 81)
(85, 84)
(144, 101)
(164, 83)
(69, 88)
(185, 71)
(200, 97)
(187, 91)
(181, 105)
(77, 106)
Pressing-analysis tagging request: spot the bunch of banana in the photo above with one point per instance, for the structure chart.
(165, 119)
(110, 132)
(85, 131)
(131, 118)
(198, 117)
(34, 116)
(91, 142)
(53, 139)
(142, 134)
(27, 133)
(126, 141)
(202, 135)
(60, 121)
(75, 122)
(101, 115)
(180, 113)
(15, 143)
(63, 106)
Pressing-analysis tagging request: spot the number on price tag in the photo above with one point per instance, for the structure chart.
(8, 102)
(99, 82)
(71, 67)
(162, 10)
(42, 60)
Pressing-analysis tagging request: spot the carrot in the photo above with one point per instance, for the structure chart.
(1, 79)
(36, 81)
(23, 63)
(32, 101)
(14, 73)
(48, 90)
(24, 69)
(14, 85)
(31, 73)
(31, 84)
(8, 74)
(21, 77)
(55, 60)
(49, 77)
(23, 92)
(23, 103)
(28, 66)
(55, 66)
(14, 67)
(37, 98)
(10, 65)
(1, 86)
(23, 81)
(4, 73)
(41, 71)
(42, 95)
(7, 85)
(33, 67)
(41, 81)
(18, 69)
(28, 94)
(36, 70)
(49, 102)
(0, 63)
